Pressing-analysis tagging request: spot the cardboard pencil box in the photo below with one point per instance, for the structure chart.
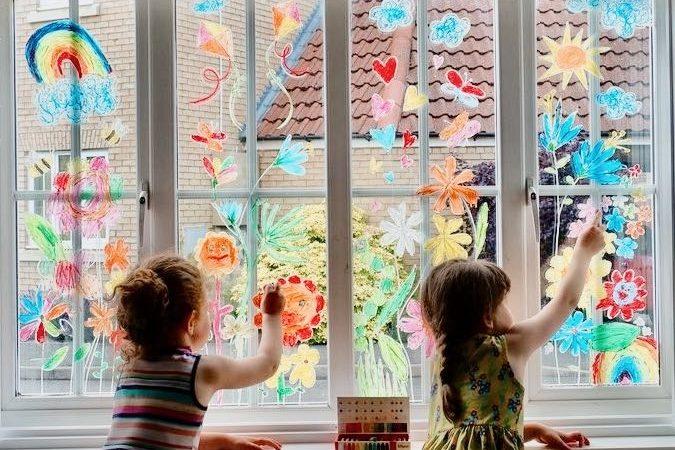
(373, 423)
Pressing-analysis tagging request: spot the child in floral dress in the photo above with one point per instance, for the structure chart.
(477, 395)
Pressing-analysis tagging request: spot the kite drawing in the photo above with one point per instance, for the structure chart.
(286, 20)
(216, 39)
(89, 91)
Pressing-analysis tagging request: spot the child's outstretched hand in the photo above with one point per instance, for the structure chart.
(274, 301)
(592, 239)
(555, 439)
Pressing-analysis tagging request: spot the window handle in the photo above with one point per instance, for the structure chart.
(143, 205)
(533, 200)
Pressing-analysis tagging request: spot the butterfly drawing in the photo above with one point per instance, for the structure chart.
(385, 137)
(547, 102)
(212, 140)
(462, 90)
(221, 171)
(460, 130)
(380, 107)
(375, 166)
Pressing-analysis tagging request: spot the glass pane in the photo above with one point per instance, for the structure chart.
(595, 130)
(286, 241)
(76, 148)
(397, 236)
(56, 281)
(286, 225)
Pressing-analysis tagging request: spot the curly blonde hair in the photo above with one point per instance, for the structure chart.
(154, 301)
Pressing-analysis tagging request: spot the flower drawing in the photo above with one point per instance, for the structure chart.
(593, 288)
(615, 221)
(449, 187)
(418, 334)
(101, 320)
(284, 367)
(626, 247)
(595, 163)
(635, 229)
(116, 255)
(625, 294)
(449, 242)
(557, 131)
(291, 157)
(37, 310)
(402, 230)
(302, 311)
(575, 334)
(216, 254)
(304, 362)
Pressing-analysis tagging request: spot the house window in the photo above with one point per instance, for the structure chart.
(76, 201)
(237, 122)
(596, 131)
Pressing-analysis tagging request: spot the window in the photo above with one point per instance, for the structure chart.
(310, 142)
(422, 104)
(596, 121)
(251, 177)
(76, 205)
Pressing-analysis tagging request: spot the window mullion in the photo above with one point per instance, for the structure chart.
(252, 162)
(515, 100)
(338, 144)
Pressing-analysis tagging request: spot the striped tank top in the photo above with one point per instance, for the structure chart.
(155, 405)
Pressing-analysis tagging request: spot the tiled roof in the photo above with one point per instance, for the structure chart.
(626, 65)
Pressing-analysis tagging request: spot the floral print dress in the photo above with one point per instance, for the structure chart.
(492, 399)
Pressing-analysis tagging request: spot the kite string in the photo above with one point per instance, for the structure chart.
(234, 93)
(211, 75)
(283, 56)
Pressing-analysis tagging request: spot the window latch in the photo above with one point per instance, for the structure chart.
(143, 205)
(533, 199)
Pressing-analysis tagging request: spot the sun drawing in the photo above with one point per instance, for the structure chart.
(572, 57)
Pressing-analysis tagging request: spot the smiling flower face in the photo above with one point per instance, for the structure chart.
(216, 254)
(302, 311)
(625, 294)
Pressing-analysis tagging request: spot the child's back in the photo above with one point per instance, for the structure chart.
(156, 405)
(492, 400)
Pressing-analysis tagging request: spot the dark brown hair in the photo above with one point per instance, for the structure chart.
(154, 300)
(456, 298)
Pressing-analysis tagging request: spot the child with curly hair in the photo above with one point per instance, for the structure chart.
(164, 389)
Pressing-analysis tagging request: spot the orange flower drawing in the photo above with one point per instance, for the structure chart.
(216, 254)
(116, 255)
(101, 319)
(449, 188)
(302, 312)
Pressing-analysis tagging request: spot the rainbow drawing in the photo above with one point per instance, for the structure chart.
(64, 40)
(636, 364)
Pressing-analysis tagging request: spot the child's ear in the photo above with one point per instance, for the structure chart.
(192, 322)
(488, 322)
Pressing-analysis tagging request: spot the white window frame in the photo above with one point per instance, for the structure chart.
(642, 410)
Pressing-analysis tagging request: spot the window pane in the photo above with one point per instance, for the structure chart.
(78, 236)
(594, 138)
(398, 236)
(281, 236)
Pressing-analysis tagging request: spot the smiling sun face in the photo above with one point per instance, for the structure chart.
(216, 254)
(572, 56)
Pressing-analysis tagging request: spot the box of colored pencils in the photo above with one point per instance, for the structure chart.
(373, 423)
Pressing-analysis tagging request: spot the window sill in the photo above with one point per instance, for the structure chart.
(627, 443)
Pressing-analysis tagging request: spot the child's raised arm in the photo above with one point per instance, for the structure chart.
(527, 336)
(218, 372)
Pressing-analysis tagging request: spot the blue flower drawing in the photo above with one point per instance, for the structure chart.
(558, 131)
(624, 16)
(577, 6)
(291, 157)
(575, 334)
(450, 30)
(392, 14)
(229, 212)
(595, 163)
(615, 221)
(208, 6)
(625, 247)
(618, 103)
